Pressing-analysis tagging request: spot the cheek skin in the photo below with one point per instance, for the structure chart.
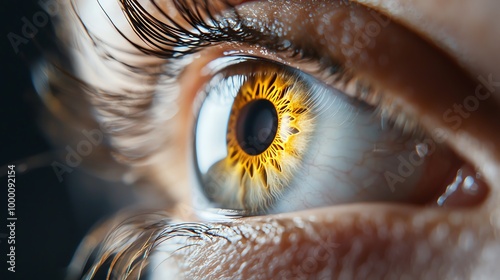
(347, 242)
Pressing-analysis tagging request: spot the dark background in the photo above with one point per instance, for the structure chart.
(50, 224)
(47, 232)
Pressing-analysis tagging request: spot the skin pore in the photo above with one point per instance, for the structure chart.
(360, 240)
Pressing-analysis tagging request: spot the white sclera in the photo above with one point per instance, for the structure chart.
(211, 129)
(349, 157)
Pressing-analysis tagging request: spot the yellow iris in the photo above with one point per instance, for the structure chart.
(253, 177)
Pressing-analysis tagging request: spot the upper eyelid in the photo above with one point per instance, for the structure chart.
(448, 84)
(174, 40)
(273, 42)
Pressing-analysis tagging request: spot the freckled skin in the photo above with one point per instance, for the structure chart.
(351, 242)
(373, 241)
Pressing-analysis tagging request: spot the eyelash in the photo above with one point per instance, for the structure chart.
(173, 41)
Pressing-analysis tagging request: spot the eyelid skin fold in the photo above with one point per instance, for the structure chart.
(460, 38)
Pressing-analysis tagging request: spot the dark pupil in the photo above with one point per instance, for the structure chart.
(256, 126)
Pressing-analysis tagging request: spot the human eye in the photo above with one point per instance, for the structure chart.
(270, 138)
(273, 108)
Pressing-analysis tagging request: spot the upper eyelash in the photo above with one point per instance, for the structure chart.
(203, 26)
(173, 39)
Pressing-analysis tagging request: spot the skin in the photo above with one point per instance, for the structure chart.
(362, 240)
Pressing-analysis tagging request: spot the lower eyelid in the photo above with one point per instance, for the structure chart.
(351, 240)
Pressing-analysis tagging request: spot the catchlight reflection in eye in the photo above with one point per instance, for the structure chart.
(273, 139)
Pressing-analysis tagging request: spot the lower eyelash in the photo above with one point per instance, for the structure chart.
(130, 240)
